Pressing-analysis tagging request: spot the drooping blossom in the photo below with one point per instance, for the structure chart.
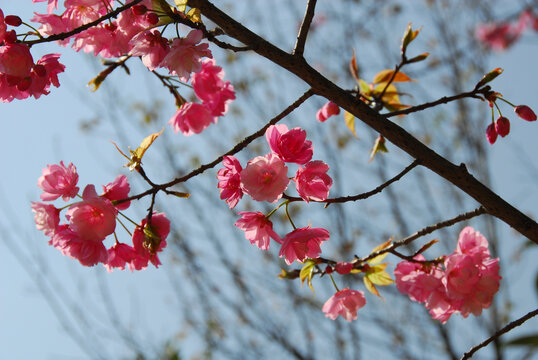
(502, 126)
(467, 283)
(265, 178)
(185, 55)
(303, 243)
(94, 218)
(87, 252)
(121, 254)
(289, 145)
(230, 181)
(151, 46)
(344, 303)
(191, 118)
(46, 218)
(118, 190)
(491, 133)
(525, 112)
(326, 111)
(258, 229)
(209, 86)
(497, 36)
(312, 181)
(16, 60)
(58, 180)
(149, 240)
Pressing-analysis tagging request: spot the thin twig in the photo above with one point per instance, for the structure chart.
(502, 331)
(65, 35)
(305, 26)
(443, 100)
(240, 146)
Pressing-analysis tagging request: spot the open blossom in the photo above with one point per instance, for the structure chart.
(58, 180)
(303, 243)
(185, 55)
(52, 4)
(289, 145)
(258, 229)
(16, 60)
(326, 111)
(94, 218)
(148, 241)
(117, 190)
(265, 178)
(497, 36)
(230, 181)
(344, 303)
(467, 283)
(46, 218)
(87, 252)
(312, 181)
(121, 254)
(191, 118)
(151, 46)
(525, 112)
(209, 87)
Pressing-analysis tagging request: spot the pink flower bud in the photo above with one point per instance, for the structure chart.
(525, 112)
(491, 133)
(139, 9)
(327, 110)
(13, 20)
(502, 126)
(152, 18)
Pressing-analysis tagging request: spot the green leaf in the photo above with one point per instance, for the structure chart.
(307, 272)
(409, 36)
(529, 340)
(364, 87)
(379, 146)
(349, 118)
(489, 77)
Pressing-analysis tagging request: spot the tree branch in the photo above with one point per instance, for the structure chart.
(305, 26)
(502, 331)
(457, 175)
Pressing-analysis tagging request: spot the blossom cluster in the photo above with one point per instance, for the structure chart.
(501, 126)
(20, 76)
(465, 284)
(90, 221)
(500, 36)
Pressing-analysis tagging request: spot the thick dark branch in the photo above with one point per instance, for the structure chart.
(65, 35)
(457, 175)
(502, 331)
(427, 230)
(443, 100)
(365, 195)
(240, 146)
(305, 26)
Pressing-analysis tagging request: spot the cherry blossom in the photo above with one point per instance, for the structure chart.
(58, 180)
(230, 181)
(265, 178)
(211, 89)
(121, 254)
(87, 252)
(303, 243)
(258, 229)
(46, 218)
(151, 46)
(289, 145)
(191, 118)
(344, 303)
(149, 240)
(312, 181)
(497, 36)
(185, 55)
(326, 111)
(117, 190)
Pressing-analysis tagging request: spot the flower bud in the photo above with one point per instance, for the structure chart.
(139, 9)
(13, 20)
(525, 112)
(502, 126)
(152, 18)
(491, 133)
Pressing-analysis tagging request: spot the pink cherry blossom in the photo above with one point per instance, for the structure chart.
(265, 178)
(303, 243)
(58, 180)
(497, 36)
(211, 89)
(87, 252)
(326, 111)
(289, 145)
(46, 218)
(185, 55)
(16, 60)
(472, 242)
(151, 46)
(148, 241)
(94, 218)
(230, 181)
(51, 24)
(258, 229)
(121, 254)
(345, 303)
(191, 118)
(525, 112)
(52, 4)
(3, 27)
(118, 190)
(312, 181)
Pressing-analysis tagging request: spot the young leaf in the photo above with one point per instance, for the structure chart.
(181, 5)
(379, 258)
(379, 146)
(409, 36)
(427, 246)
(384, 76)
(418, 58)
(364, 88)
(379, 276)
(350, 122)
(489, 77)
(370, 286)
(195, 15)
(353, 68)
(145, 144)
(307, 272)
